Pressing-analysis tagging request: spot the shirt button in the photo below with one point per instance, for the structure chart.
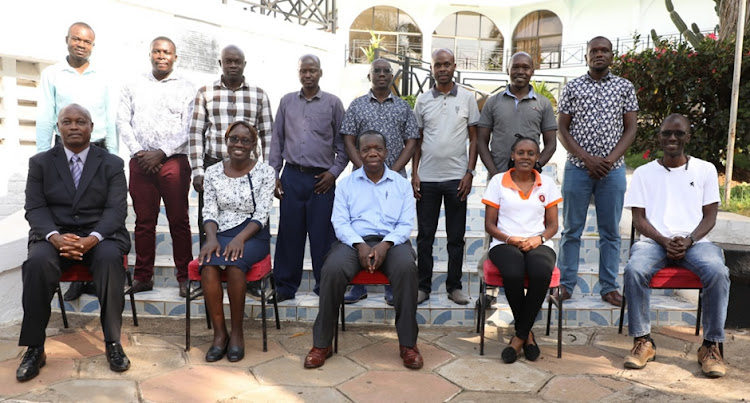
(75, 217)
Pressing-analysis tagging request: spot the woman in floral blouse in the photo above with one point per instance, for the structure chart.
(238, 194)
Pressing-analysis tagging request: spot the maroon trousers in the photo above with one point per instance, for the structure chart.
(171, 184)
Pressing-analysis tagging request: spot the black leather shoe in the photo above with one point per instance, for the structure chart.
(197, 293)
(235, 353)
(253, 290)
(75, 291)
(117, 359)
(532, 351)
(279, 298)
(215, 353)
(89, 288)
(33, 359)
(139, 286)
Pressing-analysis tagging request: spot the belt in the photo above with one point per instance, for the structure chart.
(373, 238)
(306, 170)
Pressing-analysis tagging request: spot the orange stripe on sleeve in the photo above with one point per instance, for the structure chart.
(491, 204)
(554, 203)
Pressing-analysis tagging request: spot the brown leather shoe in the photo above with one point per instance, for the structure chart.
(411, 356)
(140, 286)
(565, 294)
(613, 297)
(317, 357)
(183, 288)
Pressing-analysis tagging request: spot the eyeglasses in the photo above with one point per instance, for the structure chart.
(383, 71)
(669, 133)
(245, 141)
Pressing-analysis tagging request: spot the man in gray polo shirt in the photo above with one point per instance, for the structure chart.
(442, 171)
(517, 110)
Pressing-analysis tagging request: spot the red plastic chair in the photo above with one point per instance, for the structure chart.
(493, 278)
(670, 277)
(260, 271)
(80, 272)
(364, 277)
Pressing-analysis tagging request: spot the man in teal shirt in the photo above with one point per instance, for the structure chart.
(75, 80)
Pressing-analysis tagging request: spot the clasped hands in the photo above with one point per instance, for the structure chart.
(676, 247)
(150, 161)
(372, 257)
(598, 167)
(72, 246)
(525, 244)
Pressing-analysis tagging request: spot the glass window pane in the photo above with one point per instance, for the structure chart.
(467, 54)
(406, 23)
(467, 24)
(386, 19)
(364, 20)
(492, 54)
(443, 43)
(549, 24)
(447, 27)
(488, 28)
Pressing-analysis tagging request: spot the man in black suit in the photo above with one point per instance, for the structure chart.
(76, 204)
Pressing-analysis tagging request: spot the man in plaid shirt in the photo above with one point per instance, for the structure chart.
(217, 106)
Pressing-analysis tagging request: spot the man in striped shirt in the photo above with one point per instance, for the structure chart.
(217, 106)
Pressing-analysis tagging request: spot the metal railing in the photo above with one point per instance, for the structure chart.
(319, 13)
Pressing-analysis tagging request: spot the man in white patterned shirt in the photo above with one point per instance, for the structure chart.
(154, 120)
(217, 106)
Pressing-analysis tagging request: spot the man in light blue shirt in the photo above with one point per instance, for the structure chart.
(373, 216)
(75, 80)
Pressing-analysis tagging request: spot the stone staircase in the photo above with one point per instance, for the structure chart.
(585, 309)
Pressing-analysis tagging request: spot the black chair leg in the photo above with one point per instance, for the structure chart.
(62, 306)
(132, 297)
(698, 317)
(559, 327)
(187, 314)
(549, 310)
(482, 314)
(263, 312)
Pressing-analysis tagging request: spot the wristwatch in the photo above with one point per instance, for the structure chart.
(543, 238)
(692, 240)
(472, 172)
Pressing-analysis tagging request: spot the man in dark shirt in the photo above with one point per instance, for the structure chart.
(307, 143)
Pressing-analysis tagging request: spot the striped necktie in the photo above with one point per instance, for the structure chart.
(75, 168)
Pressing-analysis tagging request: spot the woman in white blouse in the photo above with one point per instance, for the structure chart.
(521, 217)
(238, 194)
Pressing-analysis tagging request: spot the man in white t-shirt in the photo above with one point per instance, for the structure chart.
(674, 201)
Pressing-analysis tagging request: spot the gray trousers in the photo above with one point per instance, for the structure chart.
(342, 264)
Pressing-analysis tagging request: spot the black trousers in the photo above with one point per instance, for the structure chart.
(428, 211)
(41, 272)
(342, 264)
(514, 266)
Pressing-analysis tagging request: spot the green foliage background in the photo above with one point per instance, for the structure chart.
(674, 77)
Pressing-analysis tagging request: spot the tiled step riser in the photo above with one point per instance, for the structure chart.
(665, 311)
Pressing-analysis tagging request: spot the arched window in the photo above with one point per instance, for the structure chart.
(474, 39)
(539, 34)
(398, 31)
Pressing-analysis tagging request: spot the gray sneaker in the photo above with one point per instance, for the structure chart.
(422, 297)
(458, 297)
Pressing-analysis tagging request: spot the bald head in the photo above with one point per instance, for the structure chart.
(677, 118)
(310, 58)
(443, 52)
(522, 56)
(73, 108)
(234, 49)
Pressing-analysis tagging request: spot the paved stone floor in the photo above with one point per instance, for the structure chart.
(367, 367)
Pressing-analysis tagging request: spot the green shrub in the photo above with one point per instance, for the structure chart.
(673, 77)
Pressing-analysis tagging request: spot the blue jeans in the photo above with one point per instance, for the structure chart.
(704, 259)
(609, 193)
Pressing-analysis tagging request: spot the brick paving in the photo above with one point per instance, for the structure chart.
(367, 367)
